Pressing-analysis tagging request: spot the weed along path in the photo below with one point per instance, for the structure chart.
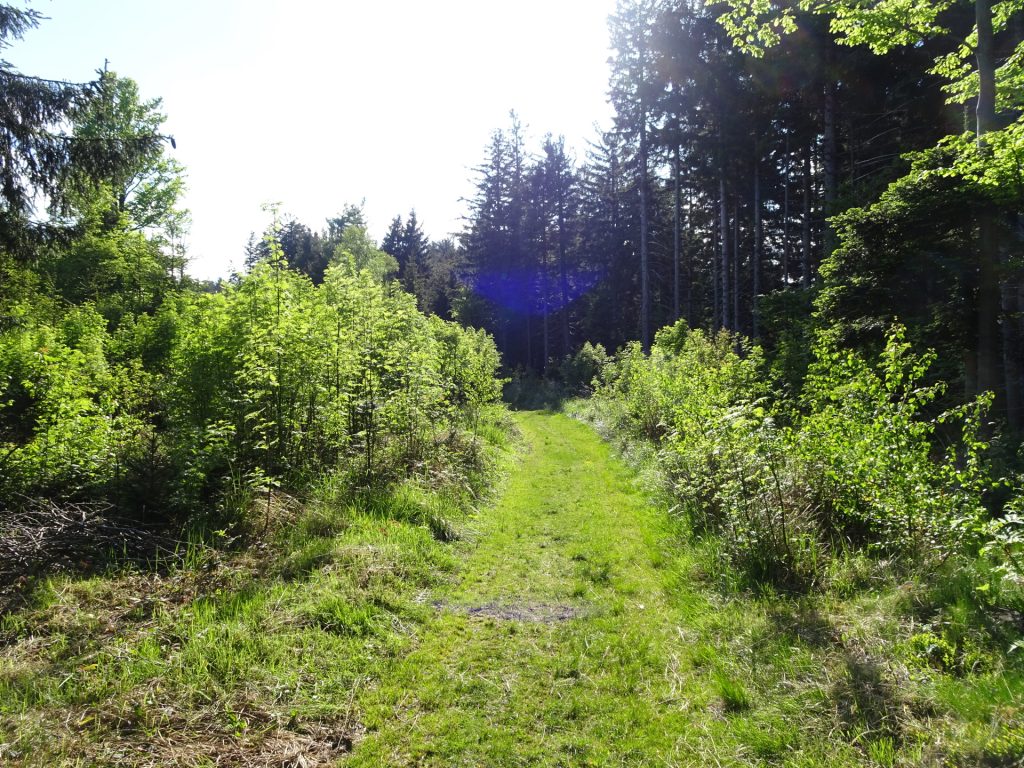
(554, 644)
(570, 626)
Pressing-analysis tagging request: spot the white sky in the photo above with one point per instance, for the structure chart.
(316, 104)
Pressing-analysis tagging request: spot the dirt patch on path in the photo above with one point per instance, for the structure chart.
(545, 613)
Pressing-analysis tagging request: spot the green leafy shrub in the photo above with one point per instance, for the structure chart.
(277, 381)
(69, 416)
(786, 485)
(579, 371)
(932, 650)
(868, 455)
(233, 399)
(1004, 542)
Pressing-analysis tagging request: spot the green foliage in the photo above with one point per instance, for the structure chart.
(787, 333)
(684, 388)
(579, 371)
(121, 271)
(932, 650)
(276, 380)
(188, 401)
(1005, 540)
(357, 253)
(68, 416)
(137, 180)
(575, 376)
(856, 461)
(874, 278)
(867, 447)
(883, 25)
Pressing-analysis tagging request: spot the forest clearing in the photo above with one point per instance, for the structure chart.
(698, 441)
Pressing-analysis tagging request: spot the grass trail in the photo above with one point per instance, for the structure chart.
(580, 629)
(573, 626)
(552, 646)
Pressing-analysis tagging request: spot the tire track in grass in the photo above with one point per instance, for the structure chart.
(554, 645)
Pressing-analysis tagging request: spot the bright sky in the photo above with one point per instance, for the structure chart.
(315, 104)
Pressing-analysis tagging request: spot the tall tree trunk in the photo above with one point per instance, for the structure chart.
(716, 240)
(689, 259)
(988, 297)
(545, 292)
(676, 230)
(645, 289)
(755, 259)
(616, 296)
(830, 154)
(529, 343)
(1013, 339)
(787, 245)
(1019, 424)
(736, 266)
(723, 233)
(1011, 290)
(805, 277)
(563, 272)
(1010, 293)
(546, 347)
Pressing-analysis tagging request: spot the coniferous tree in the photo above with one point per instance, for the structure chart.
(38, 158)
(633, 92)
(412, 264)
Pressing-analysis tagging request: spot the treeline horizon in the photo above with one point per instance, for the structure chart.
(129, 390)
(822, 183)
(764, 176)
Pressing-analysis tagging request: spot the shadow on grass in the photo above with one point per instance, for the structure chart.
(871, 704)
(42, 537)
(804, 623)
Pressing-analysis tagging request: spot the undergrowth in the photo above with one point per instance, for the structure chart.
(853, 569)
(249, 654)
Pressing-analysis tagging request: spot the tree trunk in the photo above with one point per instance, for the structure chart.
(563, 272)
(805, 278)
(676, 233)
(1012, 305)
(529, 344)
(689, 259)
(830, 171)
(986, 60)
(645, 289)
(736, 266)
(1012, 364)
(716, 237)
(545, 292)
(988, 297)
(723, 232)
(787, 245)
(755, 259)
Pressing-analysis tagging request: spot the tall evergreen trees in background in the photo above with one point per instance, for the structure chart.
(768, 183)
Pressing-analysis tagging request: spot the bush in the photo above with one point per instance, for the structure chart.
(854, 463)
(69, 415)
(219, 399)
(579, 372)
(279, 381)
(868, 454)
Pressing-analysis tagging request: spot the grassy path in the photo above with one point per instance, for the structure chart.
(573, 628)
(552, 646)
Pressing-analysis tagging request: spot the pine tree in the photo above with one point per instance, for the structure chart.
(413, 264)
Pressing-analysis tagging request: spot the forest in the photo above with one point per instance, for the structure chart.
(706, 447)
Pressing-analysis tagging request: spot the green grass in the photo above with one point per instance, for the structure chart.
(566, 624)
